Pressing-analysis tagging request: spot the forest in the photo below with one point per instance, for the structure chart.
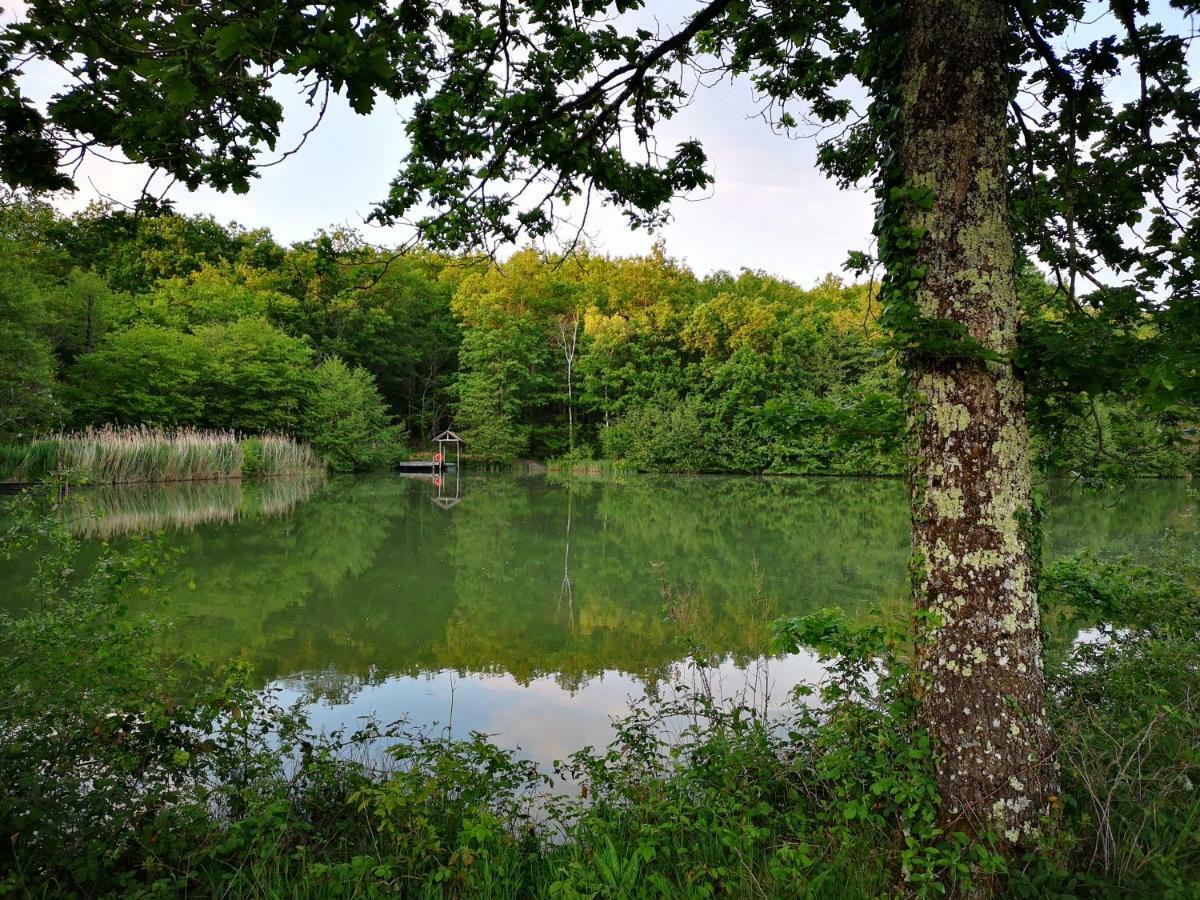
(145, 317)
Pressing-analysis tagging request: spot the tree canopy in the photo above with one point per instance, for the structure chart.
(524, 112)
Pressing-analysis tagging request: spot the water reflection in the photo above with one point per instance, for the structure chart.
(543, 719)
(370, 579)
(447, 488)
(534, 607)
(110, 511)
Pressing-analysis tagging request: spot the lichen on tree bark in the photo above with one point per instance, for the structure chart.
(980, 685)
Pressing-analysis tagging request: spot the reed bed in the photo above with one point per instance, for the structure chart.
(271, 454)
(130, 455)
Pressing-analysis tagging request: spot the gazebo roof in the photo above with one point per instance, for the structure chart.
(448, 435)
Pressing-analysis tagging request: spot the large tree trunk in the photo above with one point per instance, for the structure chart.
(980, 686)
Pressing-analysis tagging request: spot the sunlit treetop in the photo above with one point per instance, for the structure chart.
(521, 114)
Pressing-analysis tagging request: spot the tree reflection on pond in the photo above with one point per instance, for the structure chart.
(533, 601)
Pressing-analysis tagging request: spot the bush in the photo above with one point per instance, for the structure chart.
(667, 436)
(346, 420)
(244, 376)
(1125, 707)
(143, 375)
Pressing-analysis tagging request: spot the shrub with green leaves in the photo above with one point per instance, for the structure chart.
(670, 435)
(346, 420)
(1126, 714)
(246, 375)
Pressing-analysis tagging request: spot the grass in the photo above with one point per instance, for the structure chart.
(269, 455)
(130, 455)
(29, 463)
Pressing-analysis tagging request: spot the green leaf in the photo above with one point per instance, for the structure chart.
(231, 40)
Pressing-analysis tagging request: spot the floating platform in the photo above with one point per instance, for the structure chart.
(422, 467)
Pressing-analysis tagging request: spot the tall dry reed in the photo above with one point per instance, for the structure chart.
(140, 453)
(113, 455)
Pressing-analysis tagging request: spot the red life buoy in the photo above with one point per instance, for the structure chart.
(437, 480)
(437, 457)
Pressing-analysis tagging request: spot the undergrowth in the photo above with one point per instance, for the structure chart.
(130, 773)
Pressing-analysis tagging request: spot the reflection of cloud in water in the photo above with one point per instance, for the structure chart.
(541, 718)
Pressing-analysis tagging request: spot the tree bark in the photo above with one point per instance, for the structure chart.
(980, 687)
(569, 346)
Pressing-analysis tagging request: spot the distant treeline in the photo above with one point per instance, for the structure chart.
(146, 317)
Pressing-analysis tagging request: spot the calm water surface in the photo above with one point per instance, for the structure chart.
(530, 609)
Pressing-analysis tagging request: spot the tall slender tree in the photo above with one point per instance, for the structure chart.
(988, 135)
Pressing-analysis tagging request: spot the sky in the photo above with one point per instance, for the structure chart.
(769, 209)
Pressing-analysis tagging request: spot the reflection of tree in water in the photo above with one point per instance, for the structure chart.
(331, 685)
(370, 579)
(261, 589)
(624, 540)
(566, 596)
(1127, 520)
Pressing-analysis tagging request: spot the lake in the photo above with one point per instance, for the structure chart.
(532, 608)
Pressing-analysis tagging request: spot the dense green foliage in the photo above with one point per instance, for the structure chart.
(162, 320)
(27, 400)
(153, 318)
(521, 109)
(345, 418)
(245, 374)
(223, 792)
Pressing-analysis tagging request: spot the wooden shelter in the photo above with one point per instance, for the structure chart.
(446, 441)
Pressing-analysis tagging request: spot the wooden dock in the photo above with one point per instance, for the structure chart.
(423, 467)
